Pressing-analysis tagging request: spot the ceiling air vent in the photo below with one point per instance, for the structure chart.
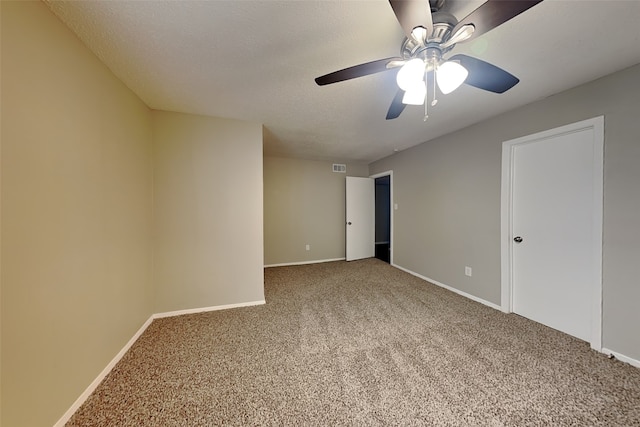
(339, 168)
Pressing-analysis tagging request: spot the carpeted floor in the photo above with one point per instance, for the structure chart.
(361, 343)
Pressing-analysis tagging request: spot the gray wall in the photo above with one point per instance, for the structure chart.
(448, 195)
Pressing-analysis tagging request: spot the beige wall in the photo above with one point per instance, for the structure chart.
(304, 203)
(76, 216)
(1, 216)
(448, 195)
(208, 211)
(77, 201)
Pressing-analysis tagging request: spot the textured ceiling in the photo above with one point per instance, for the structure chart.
(257, 60)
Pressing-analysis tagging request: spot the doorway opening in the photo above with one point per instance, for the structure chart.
(383, 218)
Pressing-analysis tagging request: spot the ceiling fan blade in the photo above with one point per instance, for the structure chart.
(396, 107)
(412, 14)
(358, 71)
(484, 75)
(492, 14)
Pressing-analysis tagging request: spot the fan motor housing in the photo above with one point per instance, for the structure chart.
(443, 23)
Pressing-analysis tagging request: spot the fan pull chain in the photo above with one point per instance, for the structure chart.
(426, 98)
(426, 114)
(435, 101)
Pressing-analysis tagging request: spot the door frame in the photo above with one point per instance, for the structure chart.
(388, 173)
(506, 212)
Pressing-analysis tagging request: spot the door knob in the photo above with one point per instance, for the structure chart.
(517, 239)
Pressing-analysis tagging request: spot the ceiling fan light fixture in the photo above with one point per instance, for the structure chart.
(464, 33)
(411, 73)
(461, 35)
(419, 34)
(450, 76)
(416, 94)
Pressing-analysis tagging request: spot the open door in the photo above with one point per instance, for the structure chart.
(360, 218)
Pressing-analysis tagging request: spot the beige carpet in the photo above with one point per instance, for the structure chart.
(361, 343)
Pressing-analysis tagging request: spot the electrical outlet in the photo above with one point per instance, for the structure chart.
(308, 247)
(468, 271)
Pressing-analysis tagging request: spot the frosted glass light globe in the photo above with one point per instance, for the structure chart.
(410, 73)
(450, 76)
(416, 94)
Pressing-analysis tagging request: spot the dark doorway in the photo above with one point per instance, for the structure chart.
(383, 218)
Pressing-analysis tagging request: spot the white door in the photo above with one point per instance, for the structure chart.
(360, 218)
(556, 217)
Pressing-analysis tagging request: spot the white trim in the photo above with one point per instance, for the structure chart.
(622, 357)
(506, 256)
(388, 173)
(317, 261)
(85, 394)
(206, 309)
(598, 228)
(505, 229)
(449, 288)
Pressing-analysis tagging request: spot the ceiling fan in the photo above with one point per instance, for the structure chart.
(431, 33)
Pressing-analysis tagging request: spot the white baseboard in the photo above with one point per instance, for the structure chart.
(619, 356)
(318, 261)
(205, 309)
(457, 291)
(85, 395)
(622, 357)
